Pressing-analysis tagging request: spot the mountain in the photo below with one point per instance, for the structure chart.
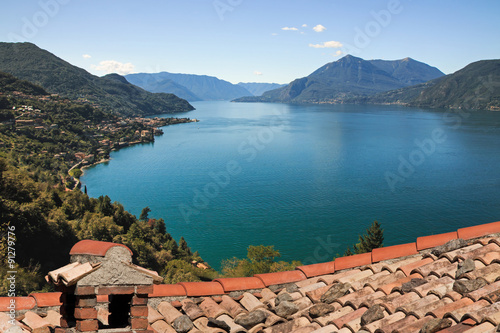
(10, 83)
(152, 84)
(28, 62)
(476, 86)
(201, 87)
(347, 78)
(257, 89)
(408, 71)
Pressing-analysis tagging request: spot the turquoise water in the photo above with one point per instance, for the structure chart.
(309, 179)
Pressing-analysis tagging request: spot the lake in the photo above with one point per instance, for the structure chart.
(309, 179)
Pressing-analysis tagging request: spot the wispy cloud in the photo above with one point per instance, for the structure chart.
(289, 29)
(257, 73)
(304, 25)
(274, 34)
(86, 56)
(331, 44)
(338, 53)
(113, 66)
(319, 28)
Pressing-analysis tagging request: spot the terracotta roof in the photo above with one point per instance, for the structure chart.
(396, 288)
(95, 248)
(442, 283)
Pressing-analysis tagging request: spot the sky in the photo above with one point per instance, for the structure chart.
(252, 40)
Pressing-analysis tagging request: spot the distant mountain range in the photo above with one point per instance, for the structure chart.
(28, 62)
(188, 86)
(257, 89)
(350, 77)
(476, 86)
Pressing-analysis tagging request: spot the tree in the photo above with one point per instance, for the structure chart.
(145, 213)
(260, 259)
(372, 239)
(184, 249)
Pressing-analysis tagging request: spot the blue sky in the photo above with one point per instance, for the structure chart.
(253, 40)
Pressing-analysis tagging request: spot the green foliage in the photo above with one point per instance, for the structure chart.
(145, 214)
(372, 239)
(76, 173)
(260, 259)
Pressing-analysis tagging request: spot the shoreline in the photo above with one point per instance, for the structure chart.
(130, 144)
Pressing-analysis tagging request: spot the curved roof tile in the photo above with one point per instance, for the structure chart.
(47, 299)
(353, 261)
(202, 288)
(240, 283)
(428, 242)
(479, 230)
(165, 290)
(318, 269)
(96, 248)
(392, 252)
(22, 303)
(270, 279)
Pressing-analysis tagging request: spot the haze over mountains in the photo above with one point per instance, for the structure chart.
(197, 87)
(28, 62)
(349, 77)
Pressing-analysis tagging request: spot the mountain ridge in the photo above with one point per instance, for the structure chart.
(476, 86)
(29, 62)
(196, 87)
(347, 78)
(258, 88)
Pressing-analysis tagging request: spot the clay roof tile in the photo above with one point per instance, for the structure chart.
(202, 288)
(91, 247)
(270, 279)
(166, 290)
(318, 269)
(353, 261)
(35, 322)
(21, 303)
(340, 322)
(395, 251)
(428, 242)
(479, 230)
(458, 313)
(241, 283)
(47, 299)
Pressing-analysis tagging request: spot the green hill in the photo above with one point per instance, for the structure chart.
(28, 62)
(476, 86)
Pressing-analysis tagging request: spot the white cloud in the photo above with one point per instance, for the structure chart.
(331, 44)
(257, 73)
(289, 28)
(338, 53)
(319, 28)
(86, 56)
(274, 34)
(113, 66)
(304, 25)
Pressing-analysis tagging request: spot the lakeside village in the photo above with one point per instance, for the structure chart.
(107, 135)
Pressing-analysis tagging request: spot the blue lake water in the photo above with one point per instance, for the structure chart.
(309, 179)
